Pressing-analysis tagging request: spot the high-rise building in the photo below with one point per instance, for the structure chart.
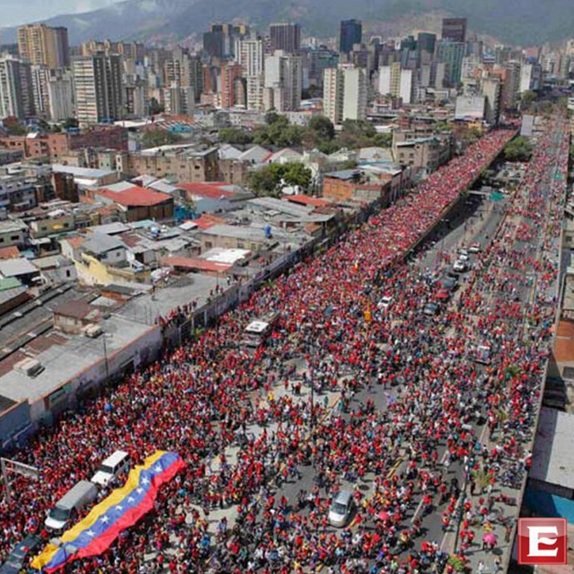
(454, 29)
(286, 37)
(98, 88)
(492, 91)
(351, 33)
(510, 89)
(390, 80)
(61, 95)
(426, 42)
(345, 93)
(230, 73)
(451, 54)
(354, 94)
(250, 55)
(40, 79)
(333, 94)
(44, 46)
(16, 96)
(220, 40)
(283, 81)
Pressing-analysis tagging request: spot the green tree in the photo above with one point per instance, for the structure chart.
(383, 140)
(296, 174)
(322, 127)
(272, 116)
(159, 137)
(266, 180)
(16, 129)
(519, 149)
(70, 123)
(527, 99)
(235, 136)
(155, 107)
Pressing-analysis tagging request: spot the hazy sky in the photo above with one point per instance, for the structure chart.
(20, 11)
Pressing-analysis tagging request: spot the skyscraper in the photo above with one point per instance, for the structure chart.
(454, 29)
(250, 55)
(426, 42)
(220, 41)
(345, 93)
(98, 88)
(16, 96)
(283, 81)
(451, 54)
(44, 46)
(333, 94)
(351, 33)
(286, 37)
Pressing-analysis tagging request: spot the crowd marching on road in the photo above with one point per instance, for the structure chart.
(211, 394)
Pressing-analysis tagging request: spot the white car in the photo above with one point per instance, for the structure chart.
(463, 256)
(385, 303)
(341, 509)
(459, 266)
(474, 248)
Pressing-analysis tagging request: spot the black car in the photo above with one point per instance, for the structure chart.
(449, 282)
(431, 309)
(19, 557)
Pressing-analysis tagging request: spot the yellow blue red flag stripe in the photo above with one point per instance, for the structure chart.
(120, 510)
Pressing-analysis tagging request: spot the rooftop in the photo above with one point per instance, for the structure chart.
(553, 456)
(63, 358)
(99, 243)
(16, 267)
(82, 172)
(135, 196)
(146, 308)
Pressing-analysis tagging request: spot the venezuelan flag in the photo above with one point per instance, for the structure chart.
(120, 510)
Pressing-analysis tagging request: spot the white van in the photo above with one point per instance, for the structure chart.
(70, 505)
(111, 467)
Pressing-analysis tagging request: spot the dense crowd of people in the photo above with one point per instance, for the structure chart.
(206, 395)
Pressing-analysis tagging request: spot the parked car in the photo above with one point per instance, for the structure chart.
(475, 248)
(18, 559)
(442, 294)
(483, 354)
(460, 266)
(449, 282)
(65, 511)
(341, 509)
(110, 468)
(431, 309)
(385, 302)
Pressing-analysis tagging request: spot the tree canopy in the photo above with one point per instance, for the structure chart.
(159, 137)
(267, 180)
(519, 149)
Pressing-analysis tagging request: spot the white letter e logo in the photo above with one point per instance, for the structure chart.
(534, 540)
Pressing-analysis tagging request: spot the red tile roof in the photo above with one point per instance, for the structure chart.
(75, 242)
(211, 189)
(9, 252)
(207, 220)
(135, 196)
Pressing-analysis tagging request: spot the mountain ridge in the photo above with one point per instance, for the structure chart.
(519, 22)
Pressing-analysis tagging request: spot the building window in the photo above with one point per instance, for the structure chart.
(14, 237)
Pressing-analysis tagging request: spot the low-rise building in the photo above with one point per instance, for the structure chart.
(13, 232)
(136, 203)
(183, 163)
